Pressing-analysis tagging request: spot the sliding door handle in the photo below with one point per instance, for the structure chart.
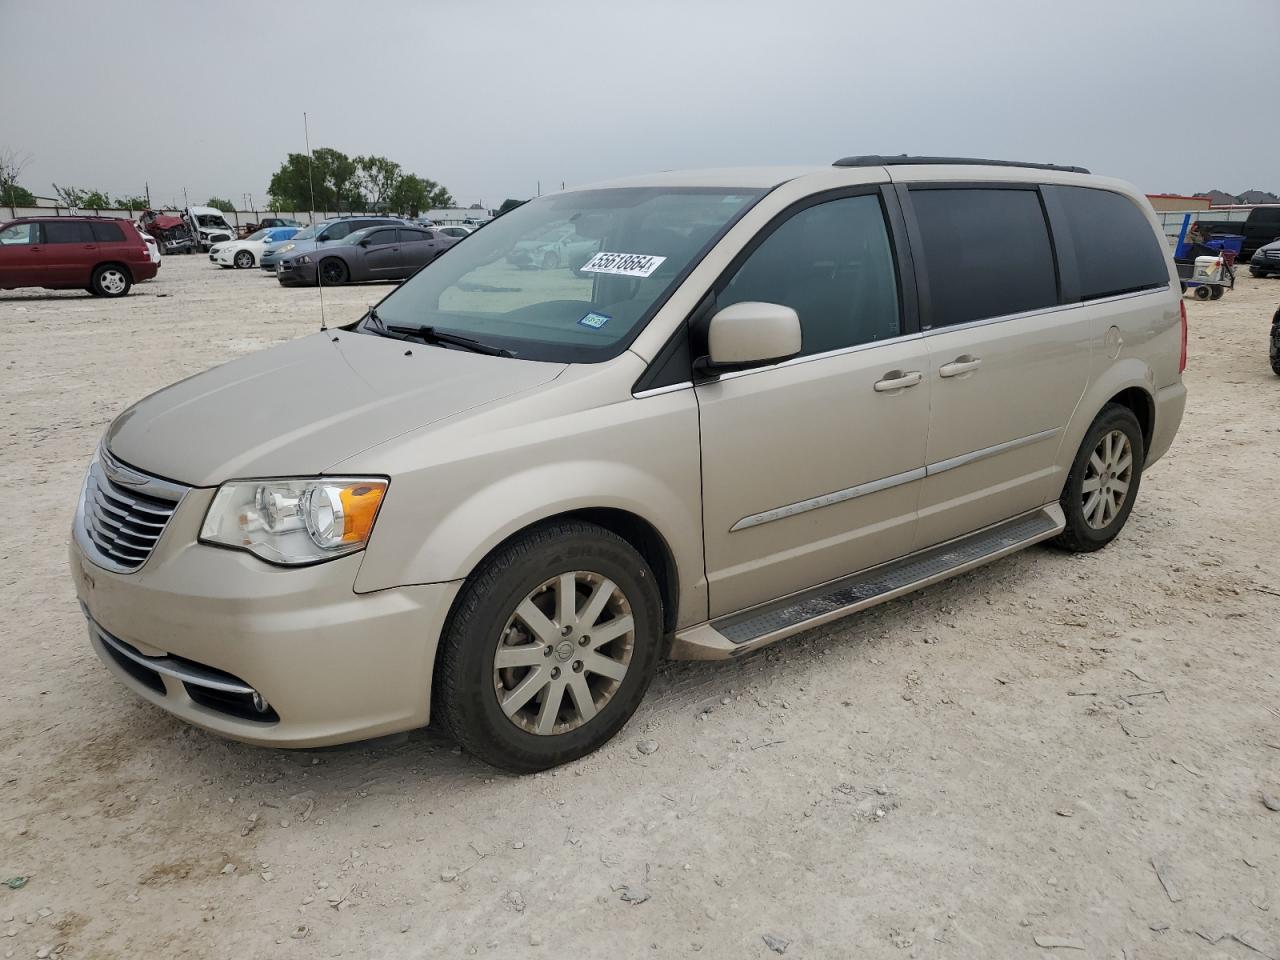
(898, 380)
(960, 366)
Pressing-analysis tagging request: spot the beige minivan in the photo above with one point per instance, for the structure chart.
(737, 404)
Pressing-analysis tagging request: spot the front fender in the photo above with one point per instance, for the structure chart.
(466, 488)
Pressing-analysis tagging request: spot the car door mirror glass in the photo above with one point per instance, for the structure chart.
(752, 332)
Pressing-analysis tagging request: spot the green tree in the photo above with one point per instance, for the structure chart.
(70, 196)
(331, 173)
(15, 196)
(379, 179)
(12, 164)
(131, 203)
(415, 195)
(95, 200)
(226, 206)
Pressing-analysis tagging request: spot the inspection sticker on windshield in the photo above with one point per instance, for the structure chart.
(623, 264)
(595, 320)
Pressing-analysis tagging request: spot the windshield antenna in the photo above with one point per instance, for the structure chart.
(306, 132)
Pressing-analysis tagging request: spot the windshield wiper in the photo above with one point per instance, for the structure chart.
(430, 335)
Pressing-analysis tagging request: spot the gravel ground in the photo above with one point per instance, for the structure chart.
(981, 770)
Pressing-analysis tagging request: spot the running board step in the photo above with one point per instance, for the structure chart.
(738, 633)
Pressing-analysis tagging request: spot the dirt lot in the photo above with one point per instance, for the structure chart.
(998, 759)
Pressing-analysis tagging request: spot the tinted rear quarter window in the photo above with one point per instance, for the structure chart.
(67, 231)
(107, 233)
(987, 253)
(1116, 249)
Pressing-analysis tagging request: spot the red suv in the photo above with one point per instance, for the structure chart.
(103, 255)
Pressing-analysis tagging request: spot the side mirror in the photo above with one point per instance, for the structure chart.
(364, 242)
(750, 333)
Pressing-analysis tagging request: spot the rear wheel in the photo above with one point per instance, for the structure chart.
(550, 647)
(243, 260)
(1217, 292)
(1103, 483)
(333, 271)
(1201, 292)
(110, 280)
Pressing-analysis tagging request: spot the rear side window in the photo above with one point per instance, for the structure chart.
(832, 264)
(1116, 249)
(987, 253)
(107, 232)
(67, 231)
(413, 236)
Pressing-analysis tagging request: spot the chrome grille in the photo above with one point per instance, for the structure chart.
(125, 511)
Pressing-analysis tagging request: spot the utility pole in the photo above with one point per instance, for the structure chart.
(147, 185)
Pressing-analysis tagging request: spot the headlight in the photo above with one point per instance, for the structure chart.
(294, 521)
(303, 259)
(287, 247)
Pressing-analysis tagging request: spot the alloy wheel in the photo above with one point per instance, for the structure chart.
(564, 653)
(112, 281)
(1106, 479)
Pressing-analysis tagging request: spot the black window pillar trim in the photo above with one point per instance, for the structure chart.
(915, 247)
(1063, 244)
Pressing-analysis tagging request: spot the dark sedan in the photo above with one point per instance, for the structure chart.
(374, 253)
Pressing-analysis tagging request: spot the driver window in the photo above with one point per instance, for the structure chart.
(833, 265)
(381, 237)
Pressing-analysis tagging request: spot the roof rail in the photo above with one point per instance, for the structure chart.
(874, 160)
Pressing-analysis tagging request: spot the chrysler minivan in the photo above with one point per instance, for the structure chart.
(767, 398)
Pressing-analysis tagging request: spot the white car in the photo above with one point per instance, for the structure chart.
(153, 248)
(246, 253)
(455, 230)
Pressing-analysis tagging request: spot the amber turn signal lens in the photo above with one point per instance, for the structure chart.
(360, 502)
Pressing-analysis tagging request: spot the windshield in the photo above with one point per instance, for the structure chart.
(258, 235)
(308, 233)
(571, 277)
(209, 220)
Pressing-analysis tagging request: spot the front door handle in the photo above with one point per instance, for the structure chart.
(898, 380)
(960, 366)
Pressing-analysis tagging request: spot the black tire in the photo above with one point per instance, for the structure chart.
(550, 260)
(1201, 292)
(243, 259)
(332, 272)
(1217, 292)
(1080, 536)
(111, 280)
(93, 291)
(1254, 271)
(464, 698)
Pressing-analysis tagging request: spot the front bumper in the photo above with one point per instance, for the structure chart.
(1269, 264)
(296, 274)
(332, 665)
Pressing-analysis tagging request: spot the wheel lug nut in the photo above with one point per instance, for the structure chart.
(583, 640)
(577, 666)
(546, 651)
(555, 673)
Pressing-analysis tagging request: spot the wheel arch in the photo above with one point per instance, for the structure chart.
(642, 535)
(113, 263)
(1143, 406)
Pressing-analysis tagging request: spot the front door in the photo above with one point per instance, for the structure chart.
(812, 467)
(1007, 363)
(382, 258)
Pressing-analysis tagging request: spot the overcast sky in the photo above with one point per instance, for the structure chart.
(490, 96)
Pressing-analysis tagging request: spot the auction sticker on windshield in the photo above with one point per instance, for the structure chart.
(623, 264)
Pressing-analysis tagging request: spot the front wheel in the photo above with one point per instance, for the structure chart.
(1217, 293)
(1202, 292)
(1103, 482)
(110, 280)
(550, 647)
(1254, 271)
(243, 260)
(333, 272)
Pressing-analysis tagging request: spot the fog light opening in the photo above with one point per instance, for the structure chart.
(259, 703)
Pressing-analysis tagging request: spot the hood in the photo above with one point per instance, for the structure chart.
(299, 408)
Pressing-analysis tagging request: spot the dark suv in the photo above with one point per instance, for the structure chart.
(103, 255)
